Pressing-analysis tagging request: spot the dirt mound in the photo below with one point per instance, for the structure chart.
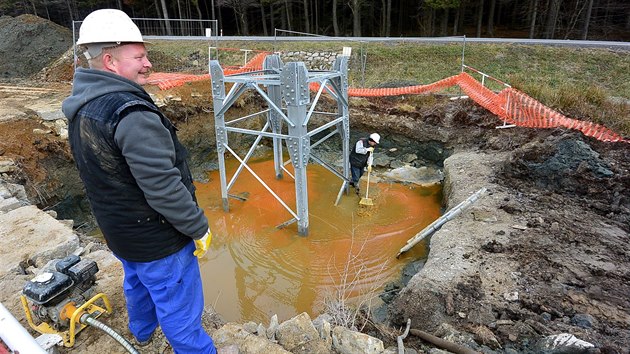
(567, 165)
(29, 43)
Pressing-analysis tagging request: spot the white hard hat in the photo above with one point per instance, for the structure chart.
(108, 26)
(375, 137)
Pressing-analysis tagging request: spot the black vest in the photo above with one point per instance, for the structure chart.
(133, 230)
(359, 160)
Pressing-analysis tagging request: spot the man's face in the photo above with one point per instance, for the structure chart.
(372, 143)
(131, 62)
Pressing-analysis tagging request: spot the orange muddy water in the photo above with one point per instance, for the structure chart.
(254, 270)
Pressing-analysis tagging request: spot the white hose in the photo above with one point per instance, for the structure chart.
(15, 336)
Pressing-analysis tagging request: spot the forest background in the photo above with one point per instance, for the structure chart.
(546, 19)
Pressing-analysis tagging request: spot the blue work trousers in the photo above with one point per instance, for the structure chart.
(356, 174)
(168, 291)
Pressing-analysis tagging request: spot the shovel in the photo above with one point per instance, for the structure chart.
(366, 200)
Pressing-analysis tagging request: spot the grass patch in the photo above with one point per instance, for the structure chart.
(588, 84)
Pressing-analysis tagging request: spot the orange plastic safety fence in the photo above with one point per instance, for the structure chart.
(169, 80)
(398, 91)
(525, 111)
(515, 107)
(510, 105)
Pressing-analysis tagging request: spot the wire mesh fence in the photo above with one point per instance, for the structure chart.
(400, 63)
(383, 63)
(186, 46)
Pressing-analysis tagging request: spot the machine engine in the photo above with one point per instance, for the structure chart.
(55, 294)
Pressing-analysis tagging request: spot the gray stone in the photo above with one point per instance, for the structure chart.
(397, 164)
(233, 334)
(4, 192)
(563, 343)
(273, 326)
(41, 131)
(315, 346)
(9, 204)
(261, 331)
(7, 165)
(69, 223)
(324, 328)
(484, 336)
(296, 331)
(18, 191)
(481, 314)
(511, 296)
(52, 115)
(63, 134)
(250, 327)
(346, 341)
(229, 349)
(408, 158)
(583, 320)
(420, 176)
(382, 160)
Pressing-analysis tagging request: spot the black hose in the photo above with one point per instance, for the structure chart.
(86, 319)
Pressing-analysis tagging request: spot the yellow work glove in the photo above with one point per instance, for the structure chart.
(370, 149)
(203, 244)
(369, 168)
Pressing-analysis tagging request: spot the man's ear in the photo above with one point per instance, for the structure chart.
(109, 62)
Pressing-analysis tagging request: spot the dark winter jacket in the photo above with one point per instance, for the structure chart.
(133, 167)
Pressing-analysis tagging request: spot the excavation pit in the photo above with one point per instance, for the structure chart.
(256, 270)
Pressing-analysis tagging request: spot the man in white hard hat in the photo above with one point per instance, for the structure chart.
(361, 157)
(138, 183)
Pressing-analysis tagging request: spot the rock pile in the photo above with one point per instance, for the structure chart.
(312, 60)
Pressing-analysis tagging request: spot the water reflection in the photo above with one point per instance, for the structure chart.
(255, 270)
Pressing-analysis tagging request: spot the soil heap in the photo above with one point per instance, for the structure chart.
(29, 43)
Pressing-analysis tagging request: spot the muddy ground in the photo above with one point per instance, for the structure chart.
(545, 251)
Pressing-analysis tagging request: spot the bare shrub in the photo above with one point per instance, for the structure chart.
(350, 301)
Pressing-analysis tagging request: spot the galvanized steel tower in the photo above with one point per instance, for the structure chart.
(287, 91)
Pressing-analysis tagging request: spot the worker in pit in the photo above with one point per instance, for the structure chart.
(138, 183)
(361, 157)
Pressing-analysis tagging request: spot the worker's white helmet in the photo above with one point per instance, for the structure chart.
(375, 137)
(108, 26)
